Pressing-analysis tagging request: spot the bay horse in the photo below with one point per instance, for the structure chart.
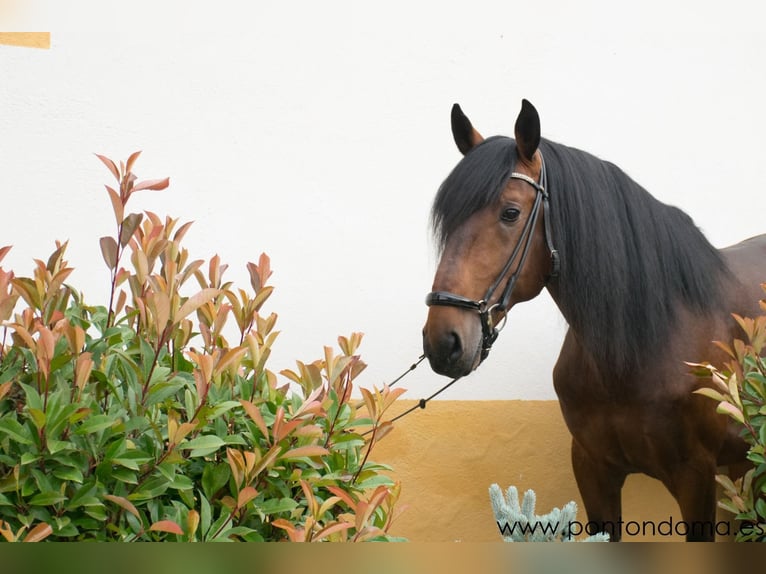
(642, 291)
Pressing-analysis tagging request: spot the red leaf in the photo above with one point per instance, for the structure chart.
(5, 389)
(109, 251)
(152, 184)
(264, 267)
(194, 302)
(333, 528)
(259, 273)
(133, 157)
(129, 226)
(182, 231)
(167, 526)
(309, 450)
(343, 495)
(294, 533)
(4, 251)
(111, 165)
(38, 533)
(255, 414)
(383, 429)
(255, 280)
(124, 503)
(246, 495)
(117, 206)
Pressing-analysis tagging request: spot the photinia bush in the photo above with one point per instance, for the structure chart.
(140, 420)
(740, 390)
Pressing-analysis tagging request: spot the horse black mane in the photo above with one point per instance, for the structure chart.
(627, 259)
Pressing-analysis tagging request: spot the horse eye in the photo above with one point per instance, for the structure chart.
(510, 215)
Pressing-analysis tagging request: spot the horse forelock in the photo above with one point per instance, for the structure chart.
(473, 184)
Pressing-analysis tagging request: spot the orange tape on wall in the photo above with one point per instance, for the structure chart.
(26, 39)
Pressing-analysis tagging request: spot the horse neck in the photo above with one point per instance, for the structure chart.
(631, 265)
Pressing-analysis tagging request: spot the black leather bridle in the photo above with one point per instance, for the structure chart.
(484, 308)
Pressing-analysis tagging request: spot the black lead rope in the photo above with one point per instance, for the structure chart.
(413, 366)
(422, 402)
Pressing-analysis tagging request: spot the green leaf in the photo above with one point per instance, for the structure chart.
(221, 408)
(730, 410)
(68, 530)
(235, 439)
(158, 392)
(28, 458)
(205, 514)
(245, 534)
(56, 446)
(69, 474)
(58, 417)
(38, 417)
(187, 497)
(132, 459)
(47, 498)
(756, 457)
(347, 441)
(203, 445)
(711, 393)
(182, 482)
(83, 496)
(20, 434)
(97, 511)
(276, 505)
(214, 478)
(152, 488)
(42, 480)
(125, 475)
(9, 373)
(374, 482)
(760, 507)
(34, 401)
(75, 460)
(96, 423)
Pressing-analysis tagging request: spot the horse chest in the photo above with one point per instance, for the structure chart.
(633, 436)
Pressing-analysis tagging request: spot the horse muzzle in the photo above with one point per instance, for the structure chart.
(452, 347)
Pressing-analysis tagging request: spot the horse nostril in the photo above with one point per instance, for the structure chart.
(455, 346)
(445, 352)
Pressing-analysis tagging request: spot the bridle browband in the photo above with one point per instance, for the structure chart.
(489, 329)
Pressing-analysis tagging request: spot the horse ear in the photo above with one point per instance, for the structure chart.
(466, 137)
(527, 131)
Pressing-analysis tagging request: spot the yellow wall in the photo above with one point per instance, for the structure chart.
(26, 39)
(447, 455)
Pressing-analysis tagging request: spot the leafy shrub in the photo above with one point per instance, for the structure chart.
(139, 420)
(740, 390)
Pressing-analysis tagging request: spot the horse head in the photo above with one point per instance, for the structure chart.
(495, 250)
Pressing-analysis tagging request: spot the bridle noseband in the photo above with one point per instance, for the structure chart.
(490, 330)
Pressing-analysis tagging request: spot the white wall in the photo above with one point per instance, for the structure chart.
(319, 132)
